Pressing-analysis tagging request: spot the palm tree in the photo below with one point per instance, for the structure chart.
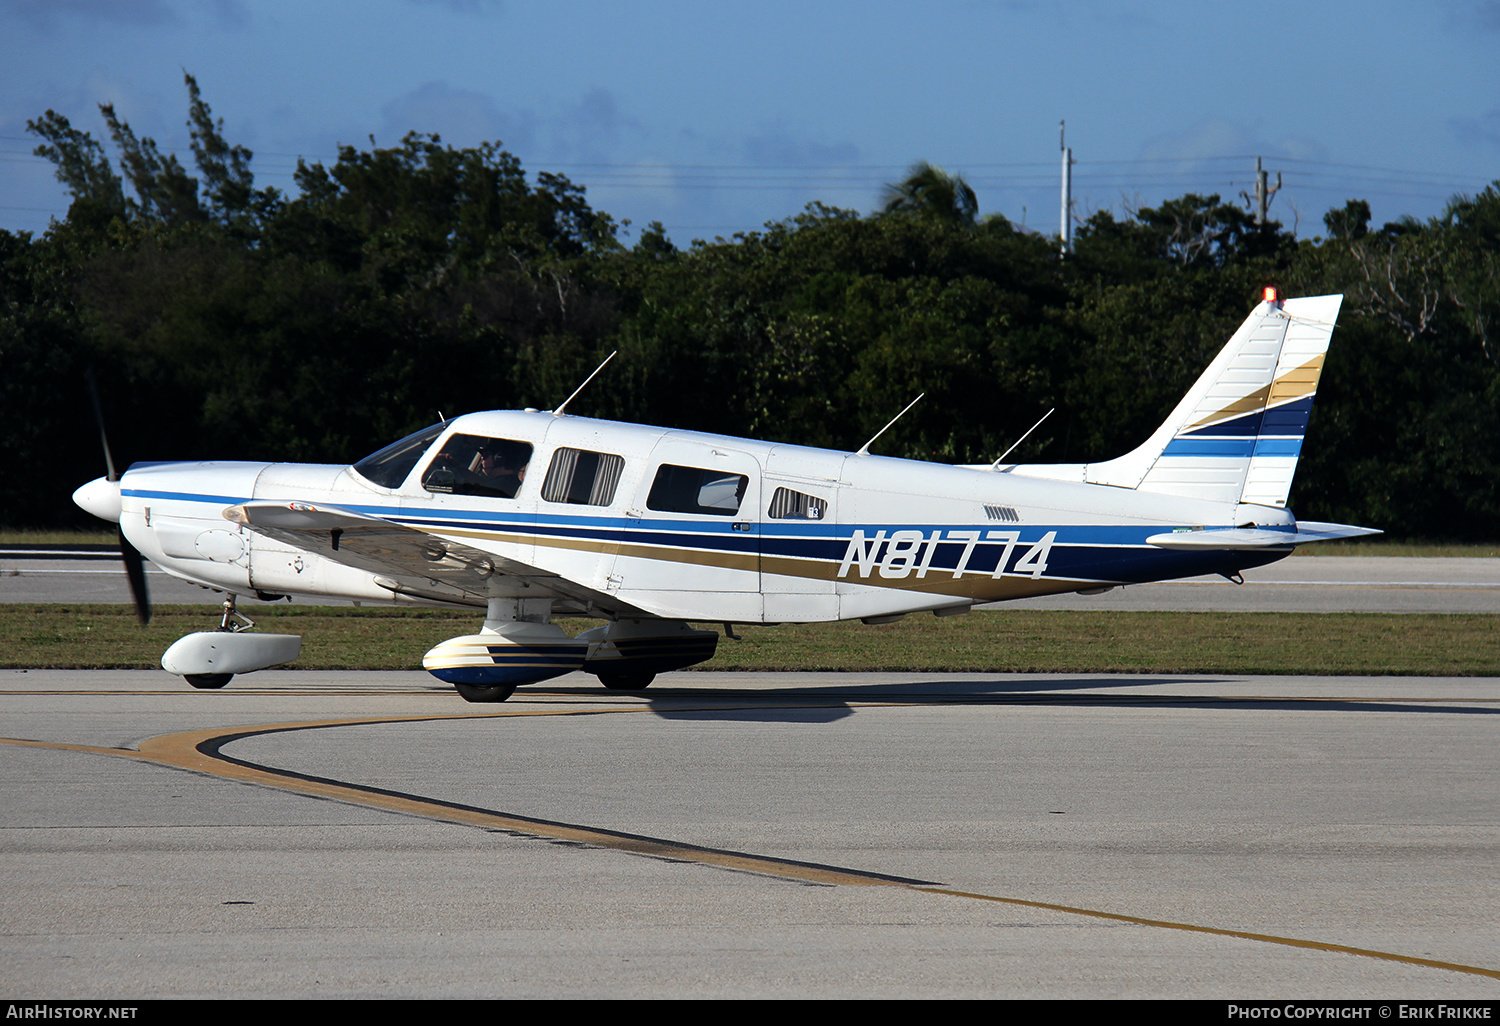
(929, 191)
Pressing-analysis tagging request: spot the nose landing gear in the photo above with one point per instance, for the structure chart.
(208, 660)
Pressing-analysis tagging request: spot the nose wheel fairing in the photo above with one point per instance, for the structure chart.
(210, 653)
(208, 659)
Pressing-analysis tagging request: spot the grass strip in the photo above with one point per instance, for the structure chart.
(61, 537)
(63, 636)
(1395, 547)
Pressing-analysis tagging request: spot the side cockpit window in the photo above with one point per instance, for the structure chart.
(696, 490)
(477, 465)
(789, 505)
(582, 477)
(390, 466)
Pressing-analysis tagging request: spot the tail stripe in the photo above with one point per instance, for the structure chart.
(1235, 448)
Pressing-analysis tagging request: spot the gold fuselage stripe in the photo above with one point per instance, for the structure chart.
(977, 586)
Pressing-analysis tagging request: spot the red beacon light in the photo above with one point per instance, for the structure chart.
(1271, 295)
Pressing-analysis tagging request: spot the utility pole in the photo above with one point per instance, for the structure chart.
(1066, 228)
(1261, 201)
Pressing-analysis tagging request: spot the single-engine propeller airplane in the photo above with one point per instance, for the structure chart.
(530, 514)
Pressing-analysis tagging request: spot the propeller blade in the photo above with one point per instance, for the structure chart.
(135, 565)
(135, 572)
(109, 463)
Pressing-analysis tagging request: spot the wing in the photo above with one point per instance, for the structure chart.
(412, 562)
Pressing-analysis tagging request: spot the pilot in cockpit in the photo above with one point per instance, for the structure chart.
(502, 466)
(470, 465)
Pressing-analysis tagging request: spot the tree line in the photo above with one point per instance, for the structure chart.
(226, 321)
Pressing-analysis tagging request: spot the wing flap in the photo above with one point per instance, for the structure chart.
(404, 559)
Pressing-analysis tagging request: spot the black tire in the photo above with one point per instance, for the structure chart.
(485, 692)
(626, 681)
(208, 681)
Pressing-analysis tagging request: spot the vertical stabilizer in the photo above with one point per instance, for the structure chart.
(1236, 435)
(1242, 437)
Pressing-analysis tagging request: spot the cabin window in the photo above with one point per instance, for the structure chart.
(789, 505)
(697, 490)
(391, 465)
(582, 478)
(476, 465)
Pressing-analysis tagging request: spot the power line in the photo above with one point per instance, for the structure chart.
(731, 171)
(1222, 173)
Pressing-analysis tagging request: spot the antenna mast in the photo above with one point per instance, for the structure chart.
(864, 450)
(559, 411)
(997, 464)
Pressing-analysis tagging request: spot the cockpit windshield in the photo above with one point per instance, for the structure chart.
(390, 466)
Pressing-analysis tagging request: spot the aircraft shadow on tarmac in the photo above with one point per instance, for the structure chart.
(827, 703)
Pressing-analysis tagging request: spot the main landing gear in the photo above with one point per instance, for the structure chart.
(626, 681)
(519, 644)
(485, 692)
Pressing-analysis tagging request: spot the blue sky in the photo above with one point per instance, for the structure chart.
(715, 117)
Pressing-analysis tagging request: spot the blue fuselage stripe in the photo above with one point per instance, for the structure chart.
(1079, 551)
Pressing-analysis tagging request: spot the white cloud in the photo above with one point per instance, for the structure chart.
(1484, 129)
(776, 145)
(461, 116)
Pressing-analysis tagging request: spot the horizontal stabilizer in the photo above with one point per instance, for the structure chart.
(1256, 537)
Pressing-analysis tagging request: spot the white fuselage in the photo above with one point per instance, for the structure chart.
(815, 535)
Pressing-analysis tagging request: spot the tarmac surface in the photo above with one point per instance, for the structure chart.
(348, 834)
(314, 834)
